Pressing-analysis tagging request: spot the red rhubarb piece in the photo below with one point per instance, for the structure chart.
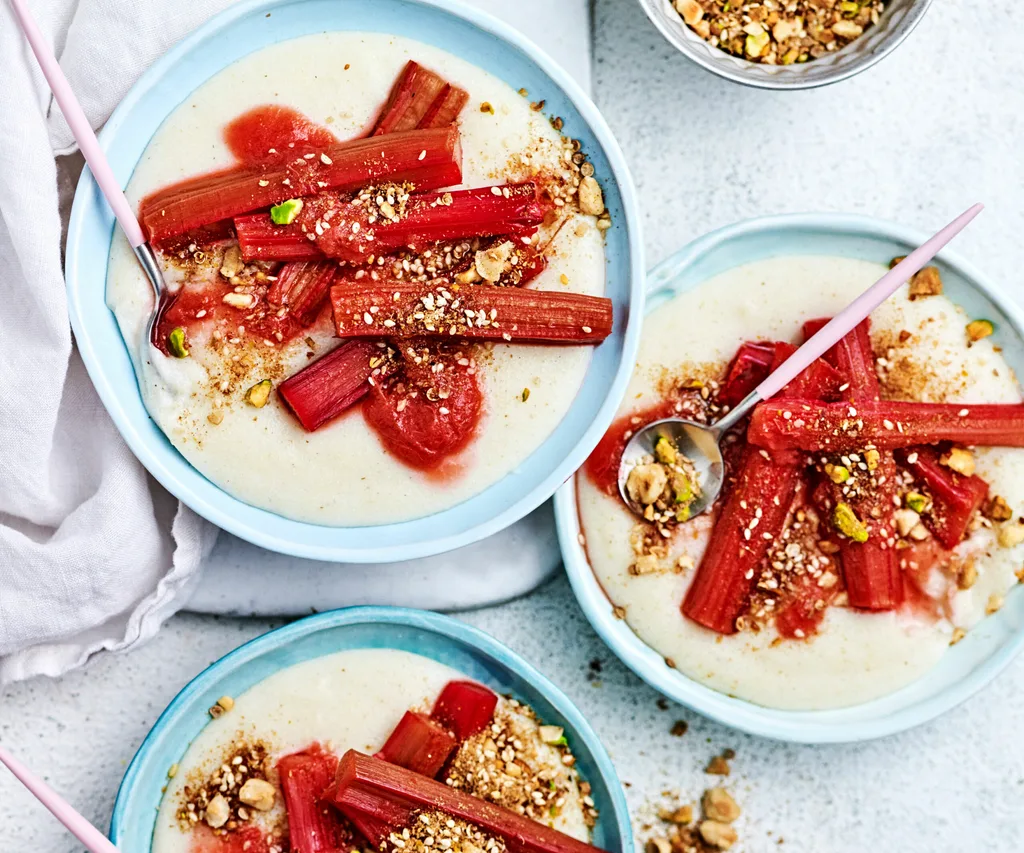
(428, 158)
(420, 98)
(314, 825)
(326, 388)
(727, 573)
(820, 381)
(750, 367)
(419, 744)
(511, 314)
(260, 239)
(465, 707)
(424, 418)
(392, 795)
(344, 229)
(302, 288)
(871, 569)
(885, 424)
(955, 498)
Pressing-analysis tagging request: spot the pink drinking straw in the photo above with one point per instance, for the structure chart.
(838, 327)
(94, 840)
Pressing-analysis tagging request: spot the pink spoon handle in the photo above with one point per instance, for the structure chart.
(94, 840)
(861, 307)
(79, 125)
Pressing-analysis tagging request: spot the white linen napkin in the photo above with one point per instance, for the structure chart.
(94, 556)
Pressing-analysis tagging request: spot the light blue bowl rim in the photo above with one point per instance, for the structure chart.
(443, 626)
(794, 726)
(308, 539)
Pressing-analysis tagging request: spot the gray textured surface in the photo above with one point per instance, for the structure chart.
(931, 129)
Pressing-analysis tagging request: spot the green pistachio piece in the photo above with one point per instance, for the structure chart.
(259, 394)
(285, 212)
(916, 501)
(683, 513)
(837, 473)
(664, 452)
(176, 343)
(845, 520)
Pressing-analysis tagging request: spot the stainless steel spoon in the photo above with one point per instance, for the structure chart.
(701, 443)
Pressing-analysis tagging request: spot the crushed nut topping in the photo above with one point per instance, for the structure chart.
(505, 765)
(779, 32)
(431, 832)
(222, 798)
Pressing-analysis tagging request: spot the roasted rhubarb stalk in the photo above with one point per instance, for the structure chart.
(261, 240)
(391, 796)
(750, 367)
(427, 158)
(955, 498)
(357, 230)
(397, 309)
(326, 388)
(728, 572)
(419, 744)
(885, 425)
(420, 99)
(314, 825)
(302, 288)
(465, 707)
(754, 514)
(871, 569)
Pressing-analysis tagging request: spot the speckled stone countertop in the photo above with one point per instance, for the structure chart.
(936, 126)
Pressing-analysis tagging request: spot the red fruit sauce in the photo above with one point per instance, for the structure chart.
(274, 134)
(425, 434)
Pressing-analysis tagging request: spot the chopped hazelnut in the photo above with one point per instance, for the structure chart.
(1011, 534)
(718, 766)
(719, 835)
(231, 265)
(217, 812)
(681, 816)
(552, 734)
(927, 282)
(591, 198)
(967, 575)
(658, 844)
(906, 520)
(994, 603)
(719, 805)
(258, 793)
(960, 460)
(998, 509)
(646, 483)
(690, 10)
(958, 635)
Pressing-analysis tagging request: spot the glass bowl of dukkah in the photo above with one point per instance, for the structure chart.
(785, 44)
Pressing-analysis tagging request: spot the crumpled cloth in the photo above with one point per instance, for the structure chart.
(94, 555)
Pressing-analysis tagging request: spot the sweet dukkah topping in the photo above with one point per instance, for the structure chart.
(664, 485)
(774, 32)
(502, 764)
(227, 797)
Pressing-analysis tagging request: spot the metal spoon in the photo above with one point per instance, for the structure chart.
(701, 442)
(94, 156)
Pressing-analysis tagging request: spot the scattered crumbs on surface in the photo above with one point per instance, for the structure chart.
(679, 728)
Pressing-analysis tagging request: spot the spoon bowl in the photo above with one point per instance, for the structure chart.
(697, 442)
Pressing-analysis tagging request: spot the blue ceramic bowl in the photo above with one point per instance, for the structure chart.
(477, 38)
(437, 637)
(965, 668)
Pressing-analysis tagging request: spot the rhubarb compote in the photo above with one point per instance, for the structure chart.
(326, 755)
(872, 511)
(361, 185)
